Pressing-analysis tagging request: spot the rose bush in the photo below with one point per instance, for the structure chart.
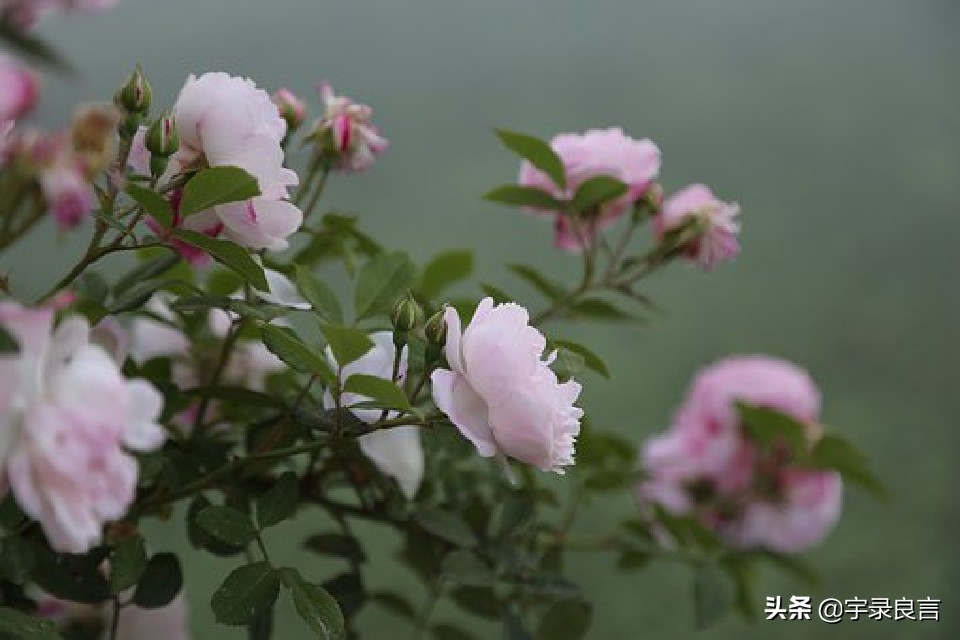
(224, 373)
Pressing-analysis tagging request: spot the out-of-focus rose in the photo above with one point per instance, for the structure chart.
(707, 465)
(69, 196)
(397, 451)
(500, 391)
(597, 152)
(94, 137)
(169, 622)
(68, 416)
(708, 225)
(19, 89)
(25, 13)
(345, 133)
(291, 108)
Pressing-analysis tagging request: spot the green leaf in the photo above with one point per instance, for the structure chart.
(384, 393)
(127, 564)
(768, 427)
(154, 204)
(712, 595)
(316, 607)
(347, 343)
(229, 255)
(286, 346)
(160, 583)
(795, 566)
(335, 544)
(597, 191)
(198, 536)
(321, 297)
(513, 628)
(445, 269)
(17, 559)
(466, 568)
(446, 525)
(499, 295)
(480, 601)
(32, 48)
(833, 452)
(566, 621)
(135, 297)
(536, 152)
(445, 631)
(280, 502)
(227, 525)
(538, 281)
(247, 592)
(146, 271)
(8, 344)
(515, 195)
(72, 577)
(395, 604)
(16, 625)
(217, 185)
(592, 360)
(381, 281)
(600, 310)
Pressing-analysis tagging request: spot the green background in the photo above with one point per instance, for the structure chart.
(835, 125)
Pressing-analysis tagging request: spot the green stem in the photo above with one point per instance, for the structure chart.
(115, 619)
(225, 351)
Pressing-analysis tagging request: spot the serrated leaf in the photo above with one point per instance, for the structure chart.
(592, 360)
(160, 582)
(286, 346)
(536, 152)
(227, 525)
(317, 608)
(320, 296)
(381, 281)
(146, 271)
(384, 393)
(217, 185)
(127, 564)
(280, 502)
(74, 578)
(515, 195)
(18, 625)
(712, 595)
(446, 525)
(597, 191)
(833, 452)
(445, 269)
(245, 594)
(566, 621)
(229, 255)
(600, 310)
(154, 204)
(538, 281)
(348, 344)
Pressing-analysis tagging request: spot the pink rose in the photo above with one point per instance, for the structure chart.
(597, 152)
(715, 225)
(397, 451)
(345, 132)
(501, 393)
(23, 14)
(69, 416)
(19, 89)
(69, 195)
(707, 465)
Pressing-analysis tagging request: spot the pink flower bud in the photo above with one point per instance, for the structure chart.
(346, 134)
(19, 90)
(291, 108)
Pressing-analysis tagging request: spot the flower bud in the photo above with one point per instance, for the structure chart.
(162, 138)
(435, 329)
(135, 96)
(406, 314)
(291, 108)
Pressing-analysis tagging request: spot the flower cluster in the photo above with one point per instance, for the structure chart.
(706, 465)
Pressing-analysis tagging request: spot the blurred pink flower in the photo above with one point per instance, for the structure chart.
(69, 196)
(715, 227)
(597, 152)
(25, 13)
(19, 89)
(706, 464)
(291, 108)
(501, 393)
(397, 451)
(345, 132)
(67, 416)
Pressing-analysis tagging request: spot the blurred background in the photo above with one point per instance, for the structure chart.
(835, 125)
